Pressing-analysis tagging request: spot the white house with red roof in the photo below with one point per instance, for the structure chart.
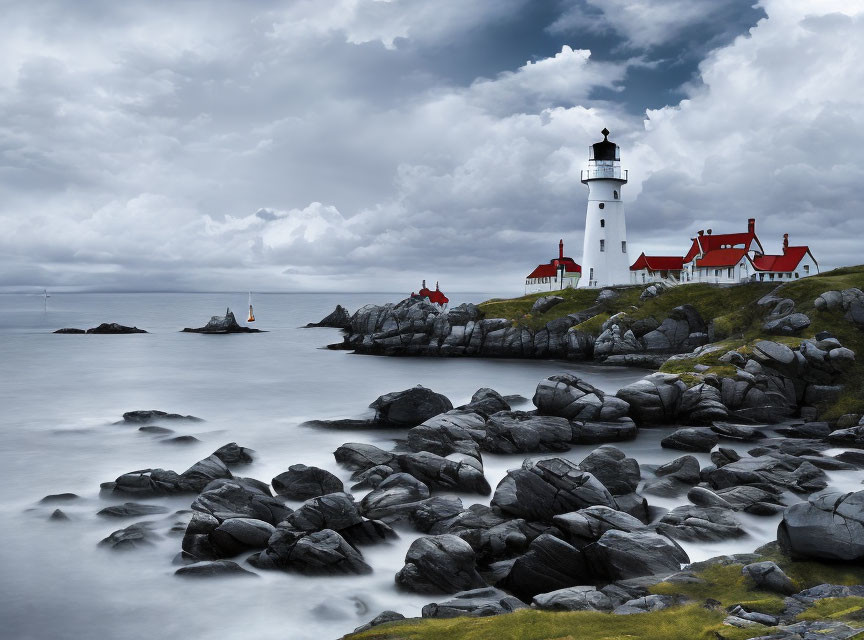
(727, 258)
(559, 273)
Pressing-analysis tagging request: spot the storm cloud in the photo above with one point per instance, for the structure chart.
(353, 144)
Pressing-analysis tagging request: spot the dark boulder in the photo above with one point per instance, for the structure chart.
(830, 526)
(131, 509)
(381, 618)
(568, 396)
(232, 454)
(550, 564)
(767, 576)
(235, 535)
(600, 432)
(705, 524)
(655, 399)
(134, 536)
(581, 528)
(544, 303)
(233, 499)
(781, 471)
(544, 488)
(487, 401)
(580, 598)
(439, 564)
(301, 482)
(410, 407)
(203, 472)
(398, 496)
(358, 456)
(520, 432)
(70, 330)
(617, 472)
(317, 553)
(151, 415)
(457, 431)
(619, 555)
(113, 327)
(476, 603)
(691, 439)
(334, 511)
(213, 568)
(465, 474)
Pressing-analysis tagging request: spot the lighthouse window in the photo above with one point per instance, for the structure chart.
(602, 205)
(602, 222)
(623, 246)
(615, 193)
(602, 245)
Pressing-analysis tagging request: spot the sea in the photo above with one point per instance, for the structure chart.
(61, 400)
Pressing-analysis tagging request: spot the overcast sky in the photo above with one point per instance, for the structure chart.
(364, 145)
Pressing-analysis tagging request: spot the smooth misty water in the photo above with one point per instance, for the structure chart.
(62, 394)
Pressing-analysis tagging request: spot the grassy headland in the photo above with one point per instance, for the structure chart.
(732, 311)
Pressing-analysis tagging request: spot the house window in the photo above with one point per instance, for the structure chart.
(602, 222)
(716, 273)
(761, 277)
(729, 272)
(602, 205)
(615, 193)
(591, 274)
(796, 274)
(623, 246)
(807, 269)
(771, 276)
(602, 245)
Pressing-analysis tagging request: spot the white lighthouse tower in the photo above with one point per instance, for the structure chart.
(604, 254)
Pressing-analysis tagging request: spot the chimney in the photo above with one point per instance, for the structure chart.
(424, 285)
(785, 242)
(701, 232)
(561, 249)
(708, 232)
(751, 225)
(436, 286)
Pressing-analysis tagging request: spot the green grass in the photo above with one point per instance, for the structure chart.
(850, 608)
(691, 622)
(808, 574)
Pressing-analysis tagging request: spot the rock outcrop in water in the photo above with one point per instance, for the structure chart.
(222, 324)
(105, 327)
(338, 319)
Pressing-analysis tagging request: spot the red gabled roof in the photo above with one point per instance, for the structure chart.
(551, 270)
(435, 297)
(715, 242)
(721, 258)
(658, 263)
(790, 259)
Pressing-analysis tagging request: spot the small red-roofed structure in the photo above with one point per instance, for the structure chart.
(559, 273)
(435, 297)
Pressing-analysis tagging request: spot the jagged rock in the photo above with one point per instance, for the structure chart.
(599, 432)
(457, 431)
(691, 439)
(434, 515)
(395, 498)
(232, 454)
(702, 497)
(58, 514)
(550, 564)
(568, 396)
(339, 318)
(851, 437)
(786, 472)
(149, 415)
(410, 407)
(381, 618)
(487, 401)
(548, 487)
(787, 325)
(317, 553)
(520, 432)
(334, 511)
(105, 327)
(724, 455)
(702, 404)
(829, 526)
(581, 528)
(131, 509)
(372, 477)
(752, 499)
(70, 330)
(222, 324)
(617, 472)
(544, 303)
(654, 399)
(231, 499)
(368, 532)
(455, 473)
(693, 523)
(235, 535)
(829, 301)
(767, 576)
(803, 600)
(439, 564)
(301, 482)
(619, 555)
(645, 604)
(213, 568)
(737, 431)
(203, 472)
(134, 536)
(180, 440)
(358, 456)
(583, 598)
(476, 603)
(674, 478)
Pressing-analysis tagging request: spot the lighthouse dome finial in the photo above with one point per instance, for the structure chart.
(605, 133)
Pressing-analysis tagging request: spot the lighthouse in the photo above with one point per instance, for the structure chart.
(604, 253)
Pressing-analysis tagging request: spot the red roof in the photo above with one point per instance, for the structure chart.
(715, 242)
(551, 270)
(789, 261)
(721, 258)
(658, 263)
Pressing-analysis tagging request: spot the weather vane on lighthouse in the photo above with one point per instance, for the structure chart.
(604, 253)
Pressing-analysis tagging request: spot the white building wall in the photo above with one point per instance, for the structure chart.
(611, 265)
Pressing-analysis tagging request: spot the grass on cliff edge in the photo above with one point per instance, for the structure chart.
(736, 318)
